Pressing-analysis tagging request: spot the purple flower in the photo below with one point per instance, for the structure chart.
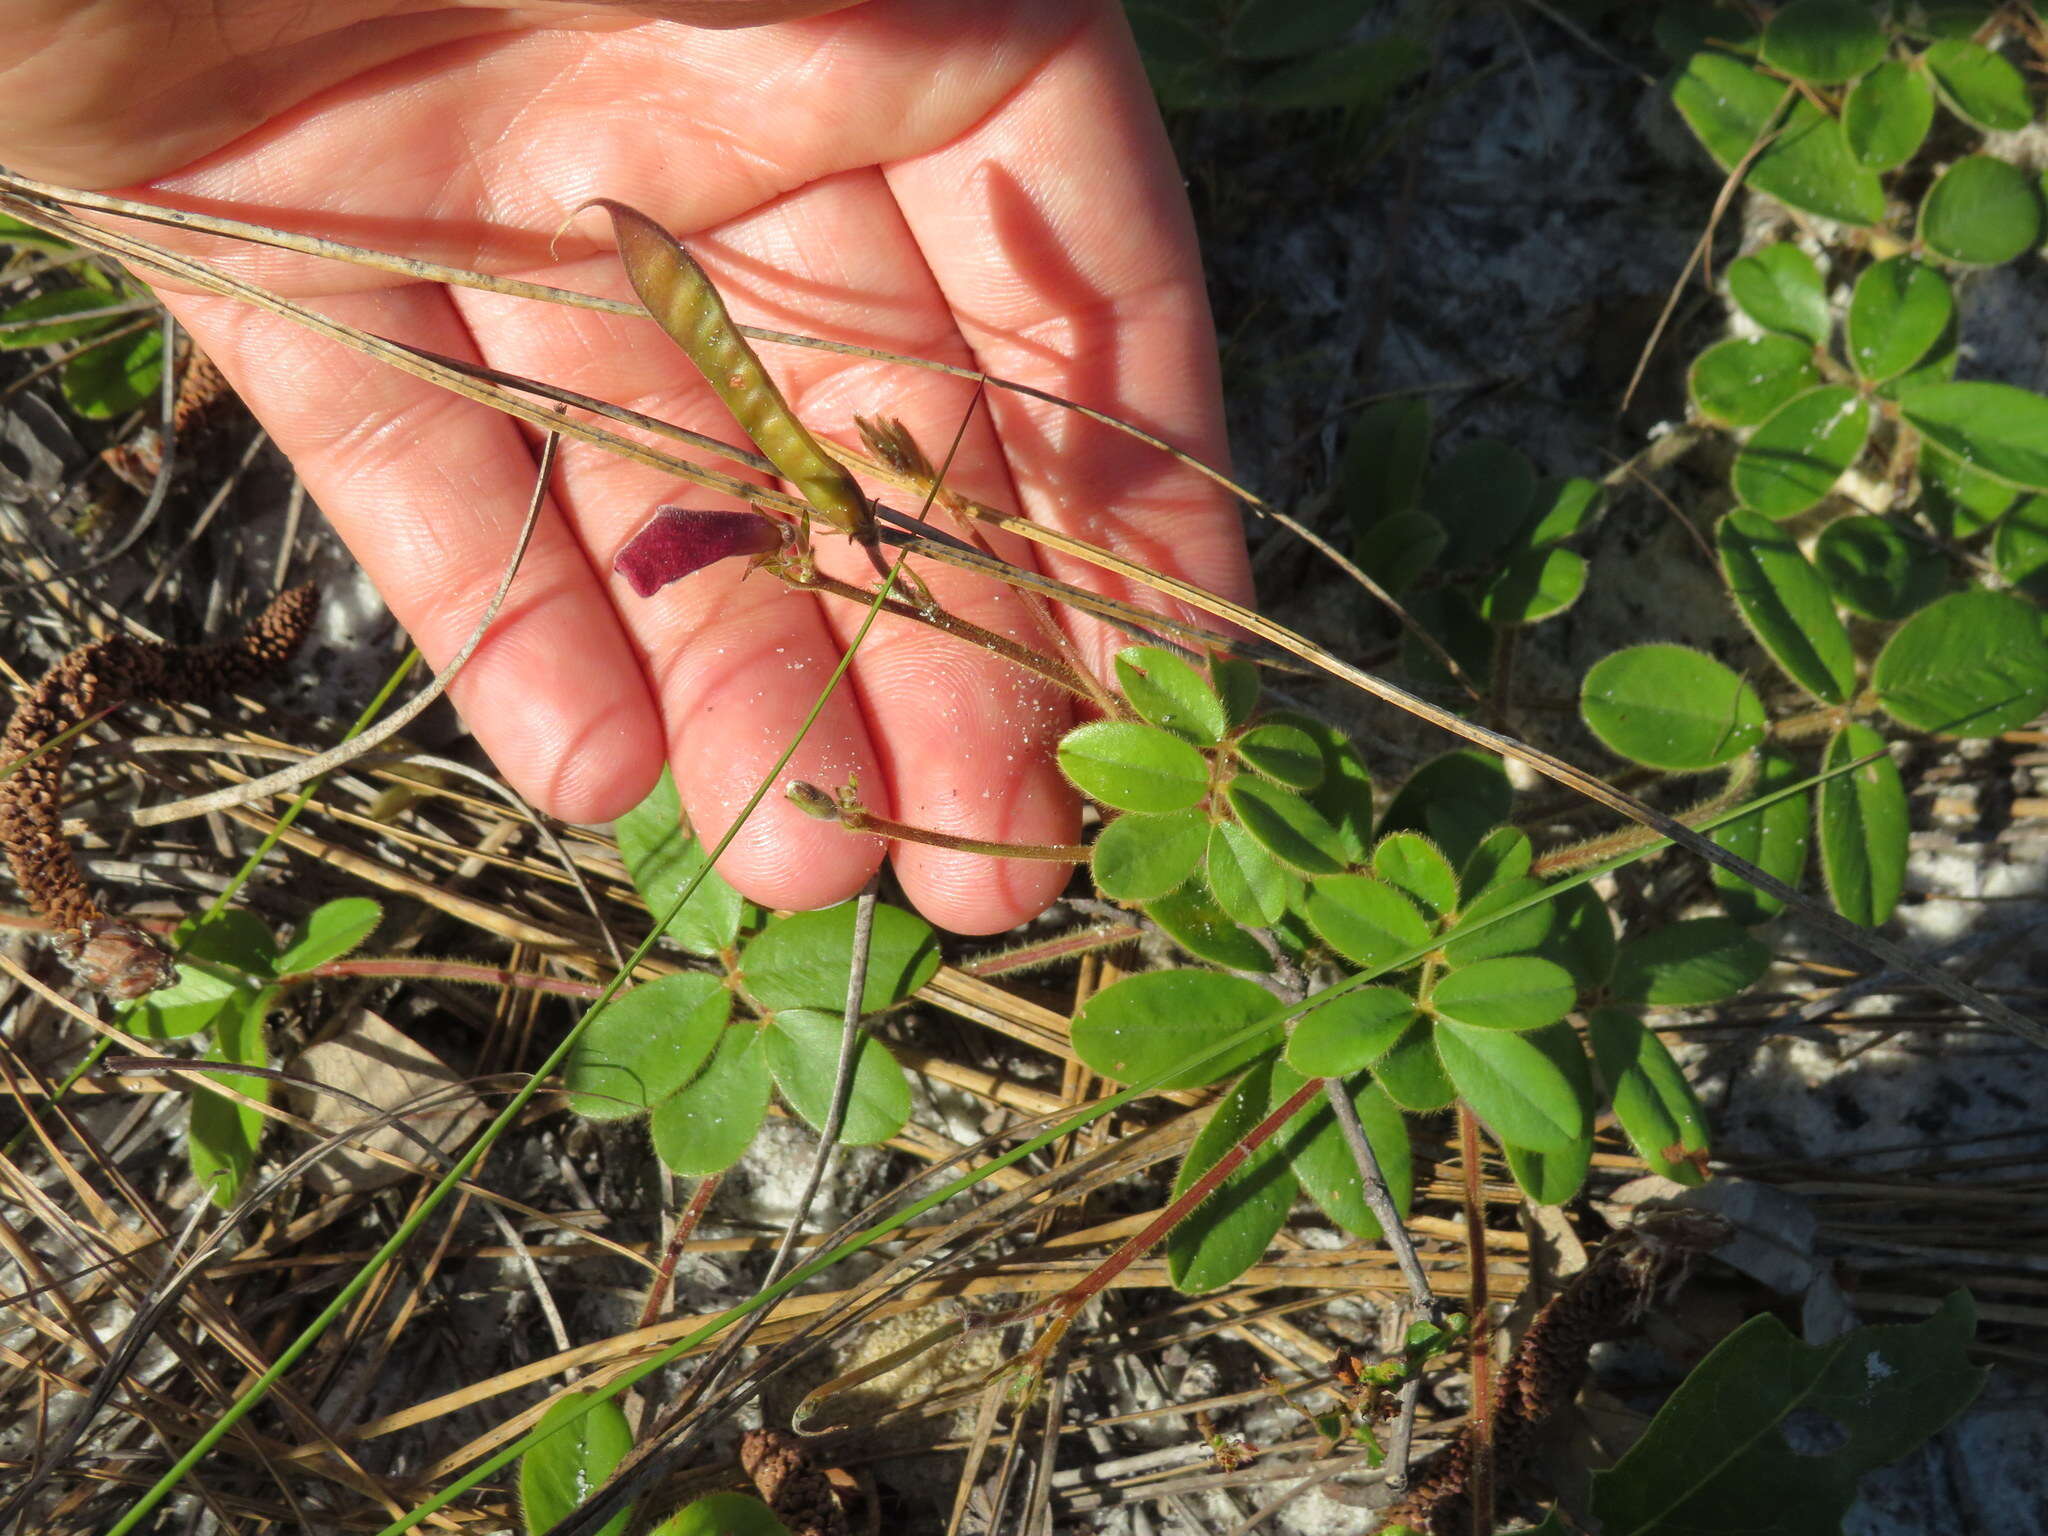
(676, 541)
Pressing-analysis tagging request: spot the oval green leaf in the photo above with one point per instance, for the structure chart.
(1897, 312)
(1315, 1147)
(1801, 450)
(1134, 767)
(1962, 499)
(1670, 707)
(1237, 685)
(707, 1126)
(1282, 752)
(2020, 548)
(1512, 992)
(1536, 585)
(1412, 1072)
(1972, 664)
(1875, 570)
(1887, 115)
(1155, 1022)
(1193, 920)
(1654, 1103)
(1978, 85)
(722, 1514)
(1780, 288)
(1344, 797)
(1683, 965)
(1513, 1084)
(1482, 935)
(1863, 828)
(1506, 855)
(1349, 1033)
(1739, 382)
(1581, 937)
(1400, 550)
(1483, 495)
(1787, 605)
(1773, 837)
(567, 1467)
(106, 381)
(1825, 42)
(802, 1048)
(1366, 921)
(218, 962)
(331, 930)
(805, 960)
(663, 859)
(1287, 826)
(1983, 211)
(1386, 455)
(1171, 694)
(646, 1045)
(1552, 1178)
(1141, 858)
(1410, 862)
(1247, 884)
(1227, 1233)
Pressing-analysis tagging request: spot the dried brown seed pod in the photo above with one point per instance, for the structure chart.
(108, 954)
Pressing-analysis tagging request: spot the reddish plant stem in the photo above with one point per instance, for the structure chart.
(1067, 1304)
(686, 1225)
(1065, 946)
(1482, 1330)
(447, 970)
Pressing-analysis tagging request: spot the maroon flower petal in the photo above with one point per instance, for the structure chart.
(676, 541)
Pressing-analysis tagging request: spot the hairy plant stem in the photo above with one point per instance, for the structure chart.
(1576, 856)
(1482, 1329)
(664, 1275)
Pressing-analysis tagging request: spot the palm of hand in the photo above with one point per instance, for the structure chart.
(983, 185)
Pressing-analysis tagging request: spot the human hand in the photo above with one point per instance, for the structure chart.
(982, 184)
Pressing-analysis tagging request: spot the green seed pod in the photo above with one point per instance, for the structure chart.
(683, 301)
